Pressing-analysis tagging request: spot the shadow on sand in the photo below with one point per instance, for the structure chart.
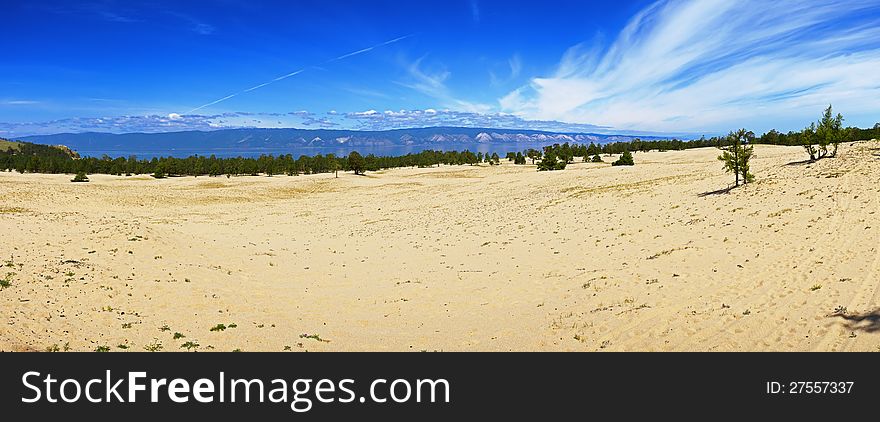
(801, 163)
(868, 322)
(717, 192)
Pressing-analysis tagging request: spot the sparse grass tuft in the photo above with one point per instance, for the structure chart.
(778, 213)
(155, 346)
(314, 337)
(666, 252)
(6, 281)
(190, 345)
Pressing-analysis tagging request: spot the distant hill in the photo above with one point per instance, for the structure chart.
(17, 147)
(6, 145)
(298, 138)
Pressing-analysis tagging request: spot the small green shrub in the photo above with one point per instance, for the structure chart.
(80, 177)
(625, 160)
(155, 346)
(190, 345)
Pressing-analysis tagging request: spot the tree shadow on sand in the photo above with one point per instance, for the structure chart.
(801, 163)
(717, 192)
(868, 322)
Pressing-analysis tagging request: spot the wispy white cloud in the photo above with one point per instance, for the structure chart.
(363, 120)
(715, 64)
(194, 24)
(115, 17)
(365, 92)
(106, 10)
(19, 102)
(116, 124)
(432, 83)
(515, 69)
(389, 119)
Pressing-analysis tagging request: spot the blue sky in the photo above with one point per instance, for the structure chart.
(640, 66)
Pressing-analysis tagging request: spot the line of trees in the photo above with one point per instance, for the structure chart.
(828, 131)
(35, 158)
(820, 140)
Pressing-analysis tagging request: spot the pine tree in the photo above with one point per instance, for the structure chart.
(626, 159)
(356, 162)
(736, 156)
(808, 139)
(159, 173)
(548, 163)
(80, 177)
(597, 159)
(829, 132)
(533, 154)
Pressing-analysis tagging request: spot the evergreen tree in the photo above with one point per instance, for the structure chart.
(159, 173)
(334, 166)
(550, 163)
(533, 154)
(808, 139)
(626, 159)
(737, 154)
(829, 132)
(356, 162)
(80, 177)
(597, 159)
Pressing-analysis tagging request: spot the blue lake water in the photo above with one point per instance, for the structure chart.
(500, 148)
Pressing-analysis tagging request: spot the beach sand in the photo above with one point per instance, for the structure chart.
(455, 258)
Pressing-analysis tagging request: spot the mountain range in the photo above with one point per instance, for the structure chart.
(263, 138)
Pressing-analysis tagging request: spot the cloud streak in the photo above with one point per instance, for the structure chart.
(297, 72)
(714, 64)
(433, 84)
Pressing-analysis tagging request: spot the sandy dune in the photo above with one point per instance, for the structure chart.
(452, 258)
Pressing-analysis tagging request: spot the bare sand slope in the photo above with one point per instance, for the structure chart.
(452, 258)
